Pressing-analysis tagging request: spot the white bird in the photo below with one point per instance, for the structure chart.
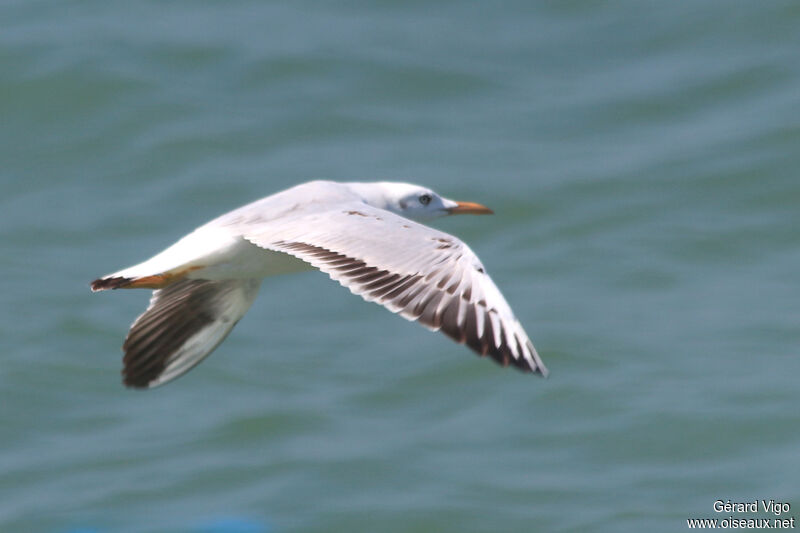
(362, 235)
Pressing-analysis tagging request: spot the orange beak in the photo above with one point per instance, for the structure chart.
(470, 208)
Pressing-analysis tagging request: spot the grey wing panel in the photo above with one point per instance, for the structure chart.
(418, 272)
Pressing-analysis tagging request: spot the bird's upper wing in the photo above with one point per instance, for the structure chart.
(422, 274)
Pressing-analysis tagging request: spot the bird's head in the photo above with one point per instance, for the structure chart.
(413, 201)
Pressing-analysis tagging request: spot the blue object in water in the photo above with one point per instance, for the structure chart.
(232, 525)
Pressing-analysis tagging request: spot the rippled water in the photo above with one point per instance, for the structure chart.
(642, 161)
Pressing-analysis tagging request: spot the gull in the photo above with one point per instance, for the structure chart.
(366, 236)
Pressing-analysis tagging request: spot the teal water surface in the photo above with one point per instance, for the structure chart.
(642, 160)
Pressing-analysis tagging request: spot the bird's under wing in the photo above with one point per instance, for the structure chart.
(183, 324)
(423, 274)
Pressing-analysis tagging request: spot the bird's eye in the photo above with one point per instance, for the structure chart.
(425, 199)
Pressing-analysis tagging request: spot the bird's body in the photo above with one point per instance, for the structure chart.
(361, 234)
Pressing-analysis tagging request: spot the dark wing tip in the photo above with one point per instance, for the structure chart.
(185, 322)
(136, 381)
(109, 283)
(432, 299)
(163, 330)
(483, 343)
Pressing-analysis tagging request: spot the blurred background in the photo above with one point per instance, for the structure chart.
(642, 161)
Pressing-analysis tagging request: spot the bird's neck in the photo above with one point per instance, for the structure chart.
(372, 194)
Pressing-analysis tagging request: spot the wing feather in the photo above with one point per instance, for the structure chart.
(183, 324)
(422, 274)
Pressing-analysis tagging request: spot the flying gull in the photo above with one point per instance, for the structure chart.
(366, 236)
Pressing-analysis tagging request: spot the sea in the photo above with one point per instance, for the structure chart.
(643, 162)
